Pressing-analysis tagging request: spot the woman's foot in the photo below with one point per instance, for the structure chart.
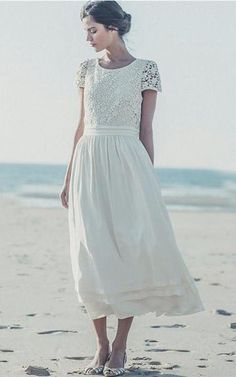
(97, 364)
(116, 362)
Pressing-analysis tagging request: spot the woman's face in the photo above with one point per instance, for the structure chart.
(97, 35)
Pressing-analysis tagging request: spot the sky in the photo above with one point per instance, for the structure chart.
(193, 44)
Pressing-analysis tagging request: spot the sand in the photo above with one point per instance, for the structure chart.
(43, 325)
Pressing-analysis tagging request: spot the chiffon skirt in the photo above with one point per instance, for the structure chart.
(124, 256)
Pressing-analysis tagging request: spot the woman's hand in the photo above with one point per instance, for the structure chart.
(65, 195)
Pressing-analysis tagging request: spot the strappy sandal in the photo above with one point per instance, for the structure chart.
(95, 370)
(114, 371)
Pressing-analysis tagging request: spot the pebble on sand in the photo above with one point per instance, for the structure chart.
(37, 371)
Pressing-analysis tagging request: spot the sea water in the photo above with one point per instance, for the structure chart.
(182, 189)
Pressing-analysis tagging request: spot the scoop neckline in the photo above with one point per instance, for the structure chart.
(115, 69)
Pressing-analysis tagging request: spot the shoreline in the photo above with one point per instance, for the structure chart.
(28, 203)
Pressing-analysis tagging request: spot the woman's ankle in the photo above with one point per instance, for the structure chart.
(104, 343)
(118, 346)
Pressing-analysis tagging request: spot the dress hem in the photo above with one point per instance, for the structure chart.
(147, 311)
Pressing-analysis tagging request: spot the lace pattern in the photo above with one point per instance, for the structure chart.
(81, 74)
(113, 97)
(151, 77)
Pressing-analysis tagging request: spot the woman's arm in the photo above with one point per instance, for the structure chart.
(78, 134)
(147, 113)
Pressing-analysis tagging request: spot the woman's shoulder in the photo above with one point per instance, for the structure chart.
(83, 64)
(150, 75)
(82, 72)
(149, 62)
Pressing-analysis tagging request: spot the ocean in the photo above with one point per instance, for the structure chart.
(39, 185)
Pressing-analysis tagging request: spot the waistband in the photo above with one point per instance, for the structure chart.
(111, 131)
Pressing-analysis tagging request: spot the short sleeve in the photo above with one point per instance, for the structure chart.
(81, 73)
(151, 77)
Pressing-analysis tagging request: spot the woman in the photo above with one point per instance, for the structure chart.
(124, 256)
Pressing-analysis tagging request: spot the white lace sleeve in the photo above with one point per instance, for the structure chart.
(81, 73)
(151, 77)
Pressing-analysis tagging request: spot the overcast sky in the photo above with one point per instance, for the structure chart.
(193, 43)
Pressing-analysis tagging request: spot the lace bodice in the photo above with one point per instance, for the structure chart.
(112, 97)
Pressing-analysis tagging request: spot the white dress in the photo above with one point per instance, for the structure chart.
(124, 256)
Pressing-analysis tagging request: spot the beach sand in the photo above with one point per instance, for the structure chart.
(42, 324)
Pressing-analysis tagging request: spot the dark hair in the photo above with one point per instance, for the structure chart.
(107, 13)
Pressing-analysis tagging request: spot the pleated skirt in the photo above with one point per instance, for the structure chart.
(124, 255)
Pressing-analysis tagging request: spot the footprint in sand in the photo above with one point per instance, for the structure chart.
(3, 350)
(15, 326)
(140, 371)
(157, 366)
(223, 312)
(54, 331)
(171, 366)
(166, 350)
(153, 362)
(77, 357)
(141, 358)
(31, 315)
(149, 342)
(176, 325)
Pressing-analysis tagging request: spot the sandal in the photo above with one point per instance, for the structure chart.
(107, 371)
(95, 370)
